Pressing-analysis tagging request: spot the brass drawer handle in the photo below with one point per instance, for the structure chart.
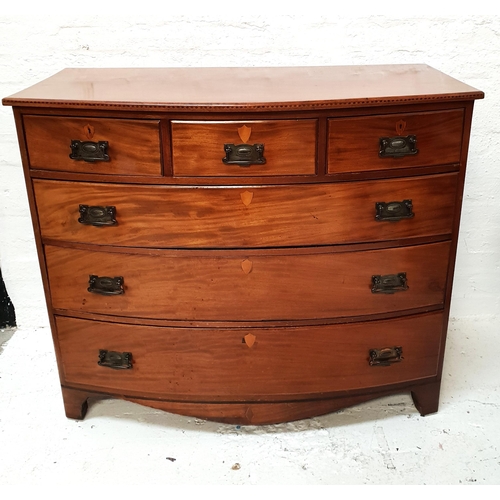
(394, 210)
(389, 283)
(115, 360)
(385, 356)
(397, 147)
(103, 285)
(97, 215)
(89, 151)
(244, 155)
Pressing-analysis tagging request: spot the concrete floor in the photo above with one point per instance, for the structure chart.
(382, 442)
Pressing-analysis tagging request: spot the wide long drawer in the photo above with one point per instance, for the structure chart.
(94, 145)
(247, 287)
(247, 364)
(220, 217)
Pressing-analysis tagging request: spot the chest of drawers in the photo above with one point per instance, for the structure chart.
(247, 245)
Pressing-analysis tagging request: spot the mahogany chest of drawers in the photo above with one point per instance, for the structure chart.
(247, 245)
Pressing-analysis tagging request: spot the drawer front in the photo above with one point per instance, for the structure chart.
(278, 216)
(246, 364)
(133, 146)
(354, 144)
(215, 149)
(215, 287)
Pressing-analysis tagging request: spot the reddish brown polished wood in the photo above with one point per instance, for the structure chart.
(247, 288)
(290, 147)
(134, 145)
(243, 89)
(235, 217)
(216, 365)
(438, 135)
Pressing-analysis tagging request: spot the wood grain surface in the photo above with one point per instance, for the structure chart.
(244, 89)
(289, 147)
(214, 364)
(216, 217)
(247, 290)
(134, 145)
(353, 143)
(183, 286)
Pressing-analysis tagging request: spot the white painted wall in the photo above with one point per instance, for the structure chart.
(466, 47)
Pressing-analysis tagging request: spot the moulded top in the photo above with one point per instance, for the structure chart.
(251, 89)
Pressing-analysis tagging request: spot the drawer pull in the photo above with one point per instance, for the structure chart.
(389, 283)
(385, 356)
(394, 210)
(97, 215)
(115, 360)
(244, 155)
(89, 151)
(397, 147)
(102, 285)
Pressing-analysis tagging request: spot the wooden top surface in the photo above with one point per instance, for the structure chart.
(210, 89)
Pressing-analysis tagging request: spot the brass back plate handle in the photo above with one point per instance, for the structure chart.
(397, 147)
(389, 283)
(97, 215)
(89, 151)
(385, 356)
(115, 360)
(393, 211)
(244, 155)
(103, 285)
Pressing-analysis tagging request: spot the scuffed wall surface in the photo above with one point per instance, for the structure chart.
(466, 47)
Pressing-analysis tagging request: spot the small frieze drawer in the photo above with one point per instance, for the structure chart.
(94, 145)
(244, 149)
(384, 142)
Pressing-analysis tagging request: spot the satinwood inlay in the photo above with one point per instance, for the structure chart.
(247, 266)
(246, 198)
(249, 339)
(244, 132)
